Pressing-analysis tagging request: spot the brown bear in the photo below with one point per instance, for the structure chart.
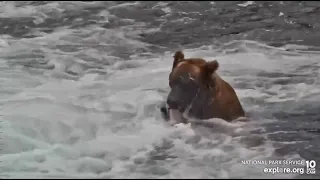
(197, 89)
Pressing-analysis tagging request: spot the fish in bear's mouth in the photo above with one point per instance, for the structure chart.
(173, 116)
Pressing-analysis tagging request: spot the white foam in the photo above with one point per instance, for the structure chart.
(105, 144)
(125, 5)
(248, 3)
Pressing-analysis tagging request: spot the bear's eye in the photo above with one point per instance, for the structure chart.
(186, 78)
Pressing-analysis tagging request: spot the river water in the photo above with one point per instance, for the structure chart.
(81, 84)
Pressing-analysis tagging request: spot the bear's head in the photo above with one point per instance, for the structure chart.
(190, 81)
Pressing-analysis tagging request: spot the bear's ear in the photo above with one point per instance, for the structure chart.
(211, 66)
(178, 57)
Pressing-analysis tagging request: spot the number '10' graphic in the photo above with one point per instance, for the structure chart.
(311, 166)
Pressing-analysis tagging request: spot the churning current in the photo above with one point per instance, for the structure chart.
(82, 83)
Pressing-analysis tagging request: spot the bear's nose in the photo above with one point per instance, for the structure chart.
(172, 103)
